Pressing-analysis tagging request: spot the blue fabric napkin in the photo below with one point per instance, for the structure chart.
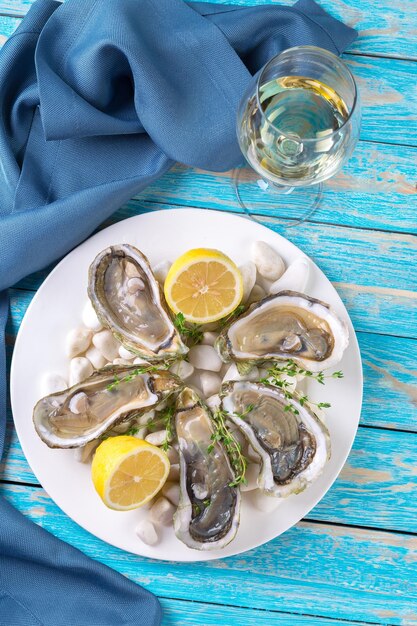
(97, 100)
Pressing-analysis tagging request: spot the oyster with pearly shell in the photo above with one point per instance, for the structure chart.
(207, 517)
(286, 325)
(293, 445)
(128, 301)
(72, 418)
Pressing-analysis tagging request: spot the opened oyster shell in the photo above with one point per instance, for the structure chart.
(207, 517)
(287, 325)
(293, 447)
(72, 418)
(127, 299)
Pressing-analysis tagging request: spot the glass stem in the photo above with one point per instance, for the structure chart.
(257, 187)
(284, 189)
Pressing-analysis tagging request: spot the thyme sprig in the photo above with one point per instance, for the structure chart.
(132, 431)
(164, 419)
(142, 369)
(290, 368)
(167, 417)
(233, 315)
(275, 377)
(320, 405)
(192, 333)
(224, 435)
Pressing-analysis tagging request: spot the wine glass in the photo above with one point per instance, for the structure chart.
(297, 123)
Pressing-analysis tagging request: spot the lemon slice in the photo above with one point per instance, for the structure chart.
(204, 285)
(127, 472)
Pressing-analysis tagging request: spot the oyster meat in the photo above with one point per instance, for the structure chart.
(128, 300)
(286, 325)
(207, 517)
(293, 447)
(72, 418)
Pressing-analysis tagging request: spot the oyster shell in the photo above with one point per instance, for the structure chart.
(72, 418)
(293, 448)
(208, 512)
(287, 325)
(127, 299)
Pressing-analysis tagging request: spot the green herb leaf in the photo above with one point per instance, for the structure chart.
(167, 418)
(223, 434)
(233, 315)
(275, 378)
(244, 413)
(142, 369)
(192, 333)
(132, 431)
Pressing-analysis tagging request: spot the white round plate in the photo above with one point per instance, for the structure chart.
(57, 307)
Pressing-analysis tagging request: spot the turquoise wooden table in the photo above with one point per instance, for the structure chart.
(353, 560)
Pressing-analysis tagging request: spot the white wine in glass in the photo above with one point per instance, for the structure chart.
(297, 124)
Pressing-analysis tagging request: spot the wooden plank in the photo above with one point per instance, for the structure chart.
(380, 309)
(380, 471)
(367, 258)
(368, 204)
(387, 100)
(372, 270)
(390, 381)
(372, 258)
(376, 189)
(385, 28)
(7, 27)
(378, 484)
(14, 466)
(389, 113)
(182, 613)
(390, 375)
(19, 302)
(18, 8)
(339, 573)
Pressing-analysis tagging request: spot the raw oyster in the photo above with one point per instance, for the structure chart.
(286, 325)
(208, 512)
(72, 418)
(127, 299)
(293, 447)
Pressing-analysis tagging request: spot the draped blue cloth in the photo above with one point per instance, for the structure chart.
(98, 99)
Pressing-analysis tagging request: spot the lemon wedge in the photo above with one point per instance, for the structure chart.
(127, 472)
(204, 285)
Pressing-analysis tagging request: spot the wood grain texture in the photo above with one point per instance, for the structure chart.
(372, 206)
(7, 27)
(389, 112)
(347, 573)
(374, 272)
(378, 484)
(373, 259)
(14, 466)
(390, 381)
(385, 28)
(377, 189)
(182, 613)
(380, 471)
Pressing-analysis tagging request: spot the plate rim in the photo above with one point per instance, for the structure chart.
(208, 556)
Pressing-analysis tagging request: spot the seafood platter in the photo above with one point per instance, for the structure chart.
(192, 391)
